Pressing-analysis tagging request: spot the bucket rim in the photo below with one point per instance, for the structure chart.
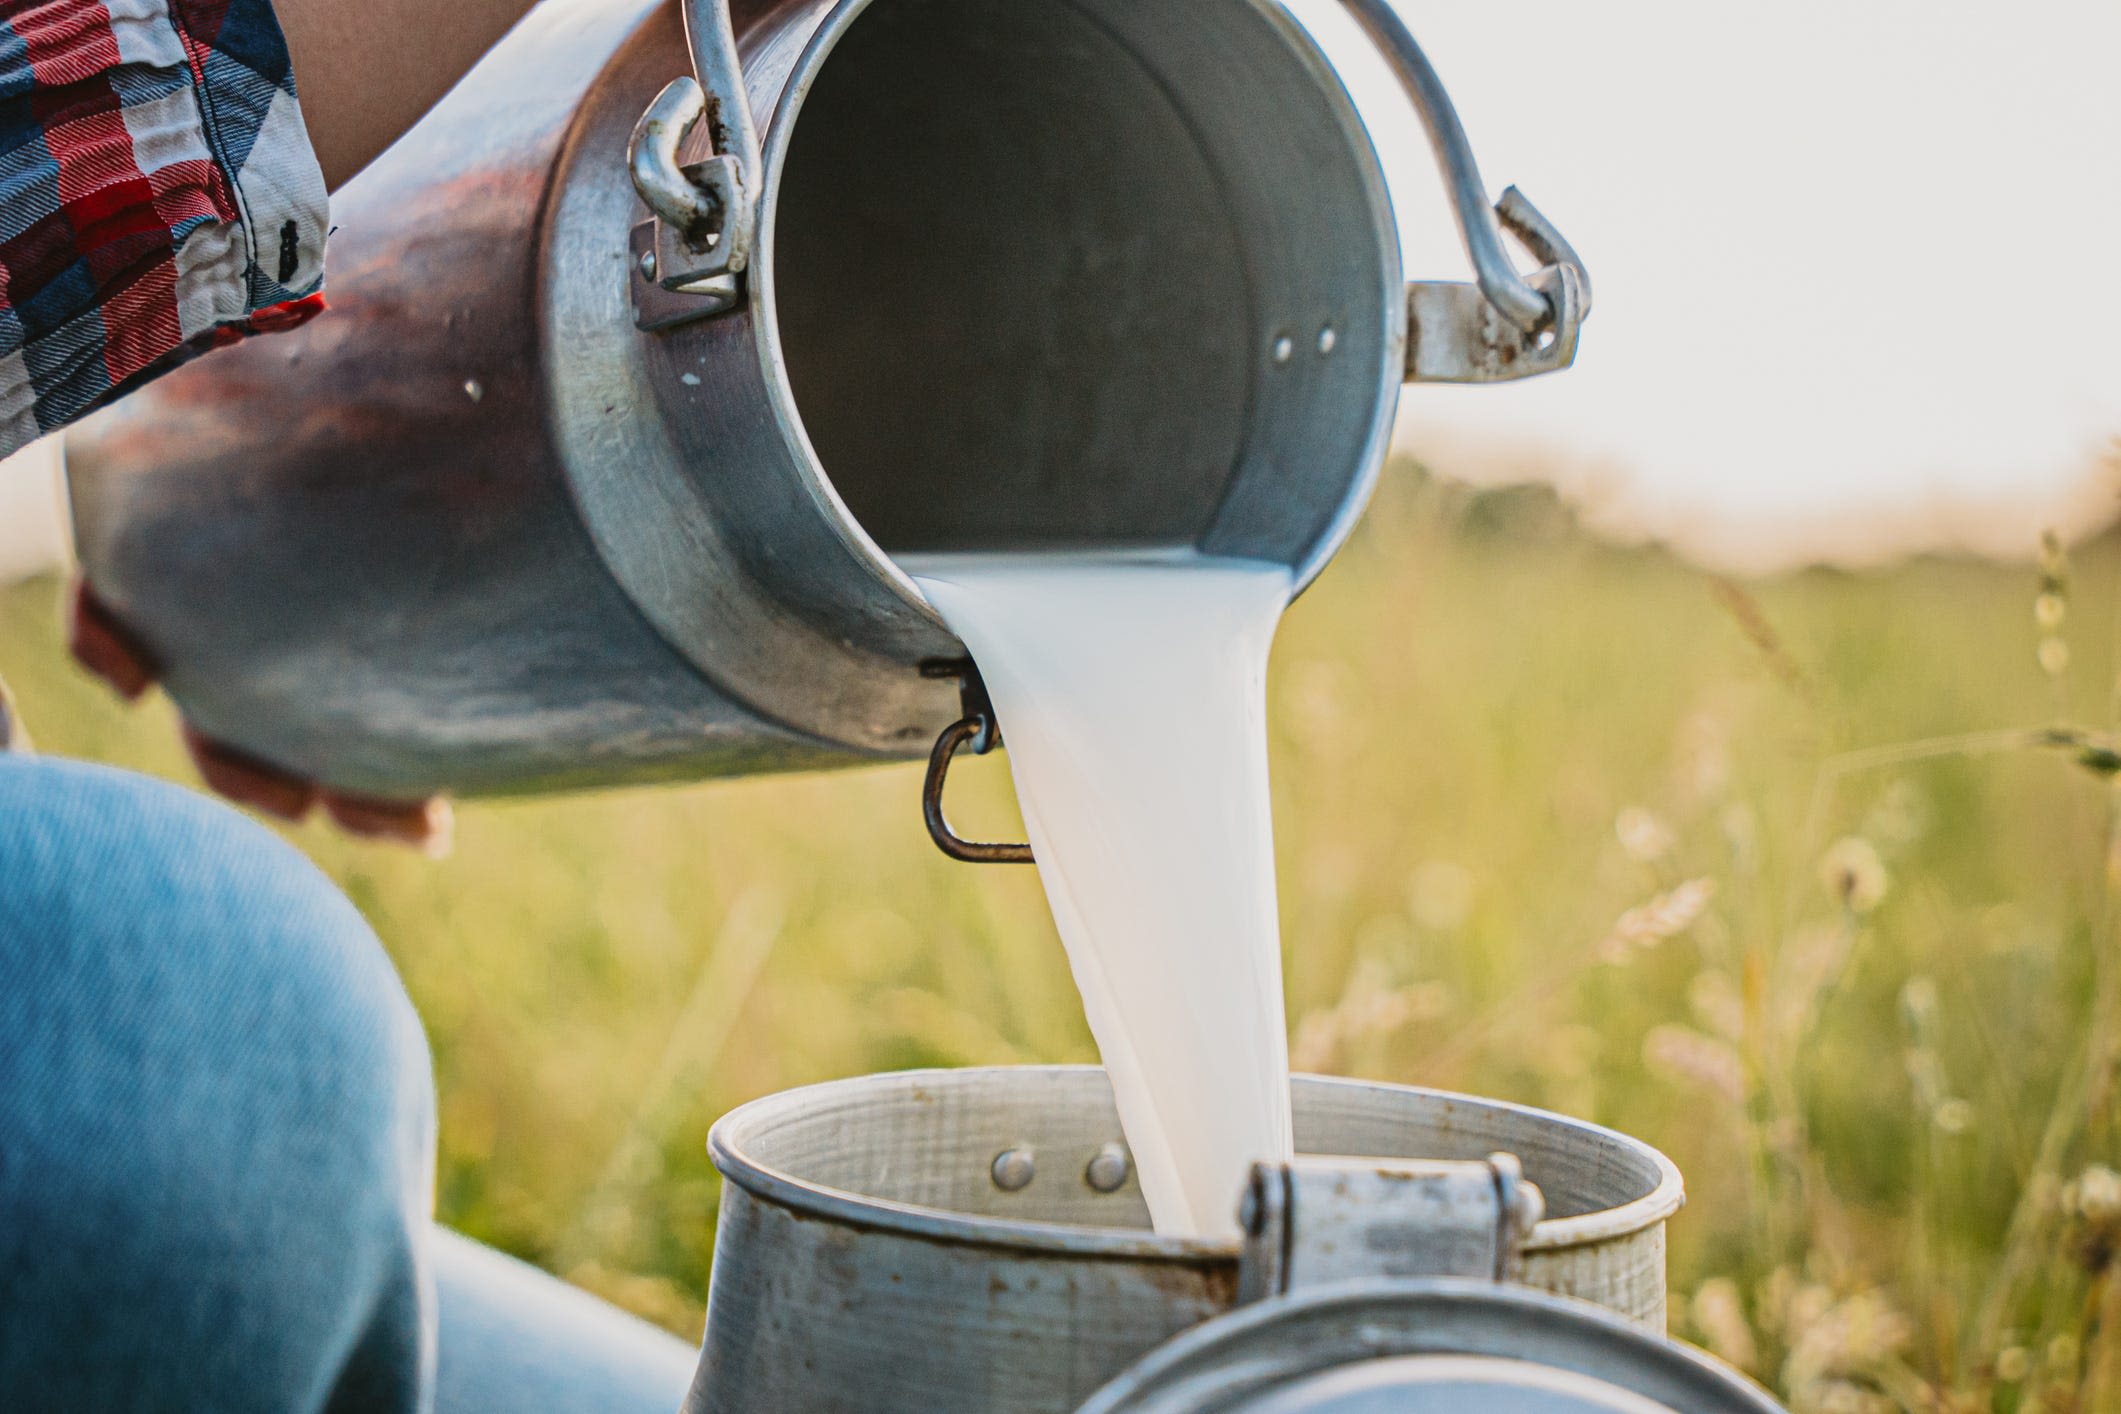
(726, 1138)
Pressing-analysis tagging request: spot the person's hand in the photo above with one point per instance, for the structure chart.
(105, 647)
(13, 737)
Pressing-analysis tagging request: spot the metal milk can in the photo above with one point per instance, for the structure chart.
(975, 1240)
(664, 332)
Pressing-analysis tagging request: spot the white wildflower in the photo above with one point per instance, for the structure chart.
(1853, 873)
(1646, 838)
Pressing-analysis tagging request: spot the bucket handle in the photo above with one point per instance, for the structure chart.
(1506, 325)
(690, 256)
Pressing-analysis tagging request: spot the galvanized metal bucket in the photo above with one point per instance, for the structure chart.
(597, 466)
(973, 1239)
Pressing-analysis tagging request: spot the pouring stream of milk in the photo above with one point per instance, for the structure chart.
(1131, 691)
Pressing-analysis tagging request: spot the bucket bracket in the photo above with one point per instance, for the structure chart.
(1317, 1220)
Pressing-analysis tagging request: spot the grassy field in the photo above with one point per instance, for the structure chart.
(1810, 882)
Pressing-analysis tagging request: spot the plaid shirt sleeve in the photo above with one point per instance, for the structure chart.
(158, 196)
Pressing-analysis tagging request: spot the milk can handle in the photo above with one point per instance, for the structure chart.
(975, 729)
(1511, 326)
(712, 41)
(691, 254)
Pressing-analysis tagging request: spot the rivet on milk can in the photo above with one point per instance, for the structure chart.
(669, 328)
(1013, 1169)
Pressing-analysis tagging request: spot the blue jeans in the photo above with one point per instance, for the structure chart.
(217, 1144)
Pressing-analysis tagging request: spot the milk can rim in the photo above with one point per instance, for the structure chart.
(817, 483)
(859, 1210)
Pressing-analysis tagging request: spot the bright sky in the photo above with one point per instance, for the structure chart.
(1850, 258)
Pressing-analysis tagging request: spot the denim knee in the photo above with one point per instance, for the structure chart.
(216, 1115)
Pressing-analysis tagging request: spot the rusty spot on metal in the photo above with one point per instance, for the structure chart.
(1212, 1282)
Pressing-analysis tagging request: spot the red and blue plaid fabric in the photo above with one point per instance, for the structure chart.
(158, 195)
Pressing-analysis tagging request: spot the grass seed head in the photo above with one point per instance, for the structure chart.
(1718, 1313)
(1682, 1053)
(1644, 837)
(1854, 874)
(2091, 1206)
(1666, 916)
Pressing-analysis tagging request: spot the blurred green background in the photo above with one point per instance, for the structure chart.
(1810, 882)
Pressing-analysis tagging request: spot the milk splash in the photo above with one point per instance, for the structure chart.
(1131, 691)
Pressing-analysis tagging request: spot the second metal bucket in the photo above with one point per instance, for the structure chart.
(974, 1239)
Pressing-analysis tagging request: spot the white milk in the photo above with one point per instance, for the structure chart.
(1132, 696)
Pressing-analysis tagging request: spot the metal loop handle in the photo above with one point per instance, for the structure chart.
(1547, 245)
(977, 730)
(1506, 289)
(698, 243)
(946, 839)
(712, 40)
(652, 159)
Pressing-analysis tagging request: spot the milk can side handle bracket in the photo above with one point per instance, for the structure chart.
(687, 260)
(1507, 325)
(1317, 1220)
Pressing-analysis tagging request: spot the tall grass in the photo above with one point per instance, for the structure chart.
(1810, 882)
